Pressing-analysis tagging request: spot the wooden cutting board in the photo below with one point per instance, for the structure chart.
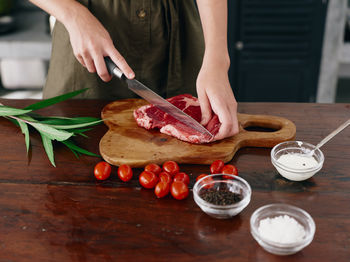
(127, 143)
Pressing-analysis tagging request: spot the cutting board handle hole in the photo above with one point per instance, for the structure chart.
(261, 127)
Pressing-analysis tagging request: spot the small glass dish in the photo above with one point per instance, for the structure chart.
(297, 148)
(275, 210)
(222, 182)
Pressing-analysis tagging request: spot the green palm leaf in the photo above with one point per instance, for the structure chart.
(51, 132)
(78, 149)
(47, 143)
(77, 125)
(11, 111)
(75, 153)
(66, 120)
(54, 100)
(25, 131)
(52, 127)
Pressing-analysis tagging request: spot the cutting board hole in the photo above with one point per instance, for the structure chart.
(260, 129)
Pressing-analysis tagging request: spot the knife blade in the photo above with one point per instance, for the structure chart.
(158, 101)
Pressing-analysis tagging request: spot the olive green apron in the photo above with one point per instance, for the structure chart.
(162, 41)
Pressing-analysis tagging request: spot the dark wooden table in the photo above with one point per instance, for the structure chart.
(64, 214)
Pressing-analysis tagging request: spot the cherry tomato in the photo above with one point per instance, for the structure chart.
(217, 166)
(208, 181)
(125, 172)
(182, 177)
(165, 177)
(230, 170)
(153, 168)
(148, 179)
(162, 189)
(102, 170)
(171, 167)
(179, 190)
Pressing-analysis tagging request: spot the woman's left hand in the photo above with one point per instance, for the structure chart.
(215, 95)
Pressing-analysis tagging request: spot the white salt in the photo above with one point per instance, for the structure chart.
(282, 229)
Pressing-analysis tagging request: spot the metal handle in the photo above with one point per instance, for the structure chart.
(112, 68)
(331, 135)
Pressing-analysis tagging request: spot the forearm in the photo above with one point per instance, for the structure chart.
(65, 11)
(213, 14)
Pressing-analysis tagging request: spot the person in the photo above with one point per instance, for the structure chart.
(171, 46)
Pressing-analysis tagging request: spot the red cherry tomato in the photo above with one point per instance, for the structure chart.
(153, 168)
(179, 190)
(125, 172)
(102, 170)
(165, 177)
(230, 170)
(182, 177)
(217, 166)
(148, 179)
(171, 167)
(162, 189)
(208, 181)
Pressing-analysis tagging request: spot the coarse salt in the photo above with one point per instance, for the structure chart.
(282, 229)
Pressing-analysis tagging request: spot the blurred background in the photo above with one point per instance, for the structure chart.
(281, 50)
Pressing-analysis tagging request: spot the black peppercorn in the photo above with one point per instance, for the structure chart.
(221, 197)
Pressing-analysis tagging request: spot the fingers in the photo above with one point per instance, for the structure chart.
(119, 60)
(81, 60)
(93, 59)
(85, 59)
(101, 68)
(227, 129)
(205, 108)
(229, 123)
(89, 64)
(219, 99)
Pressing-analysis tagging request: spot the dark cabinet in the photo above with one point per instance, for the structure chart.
(275, 48)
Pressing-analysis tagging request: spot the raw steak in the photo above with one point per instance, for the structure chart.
(151, 117)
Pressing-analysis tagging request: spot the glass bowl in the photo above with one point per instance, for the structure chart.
(297, 148)
(222, 182)
(275, 210)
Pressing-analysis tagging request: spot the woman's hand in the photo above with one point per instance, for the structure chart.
(89, 39)
(91, 43)
(213, 87)
(215, 94)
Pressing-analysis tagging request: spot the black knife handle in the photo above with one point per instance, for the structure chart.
(112, 68)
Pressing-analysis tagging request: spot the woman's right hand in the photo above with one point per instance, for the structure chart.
(91, 43)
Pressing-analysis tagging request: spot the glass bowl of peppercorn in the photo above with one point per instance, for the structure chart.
(222, 196)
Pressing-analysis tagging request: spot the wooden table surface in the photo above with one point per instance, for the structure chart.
(64, 214)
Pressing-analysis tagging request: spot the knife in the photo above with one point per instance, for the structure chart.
(157, 100)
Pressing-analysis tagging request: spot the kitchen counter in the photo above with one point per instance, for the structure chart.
(64, 214)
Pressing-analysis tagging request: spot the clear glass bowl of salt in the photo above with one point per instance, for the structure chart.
(282, 229)
(296, 160)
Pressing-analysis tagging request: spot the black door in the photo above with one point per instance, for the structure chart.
(275, 48)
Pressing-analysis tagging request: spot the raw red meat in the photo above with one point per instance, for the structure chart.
(151, 117)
